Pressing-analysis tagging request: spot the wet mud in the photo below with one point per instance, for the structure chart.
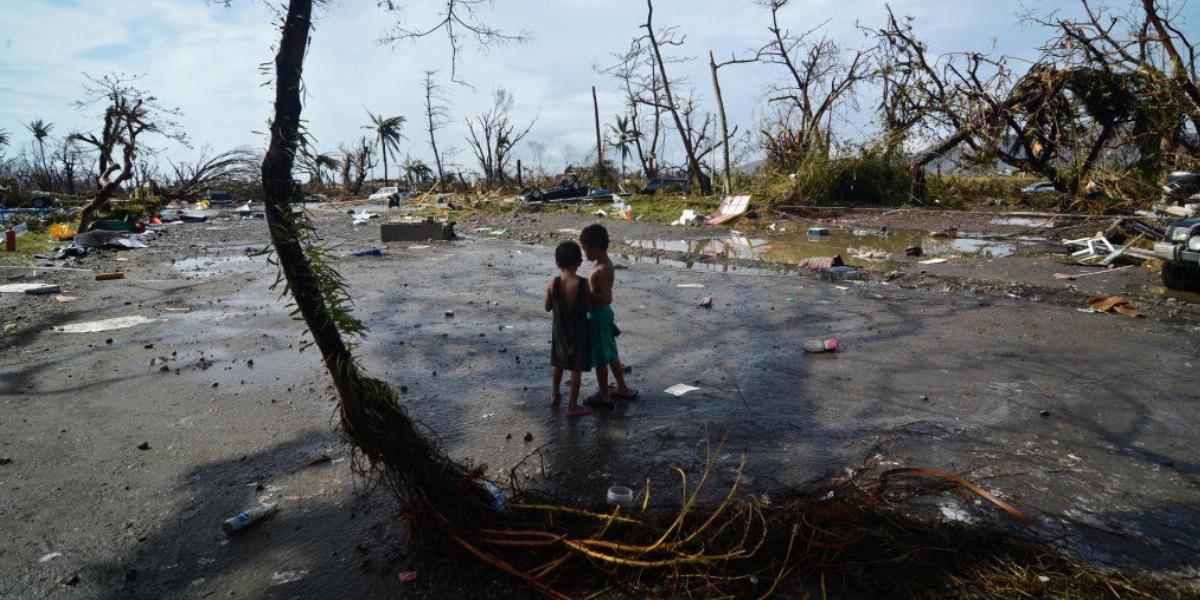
(1082, 420)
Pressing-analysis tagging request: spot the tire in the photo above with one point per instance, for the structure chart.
(1181, 278)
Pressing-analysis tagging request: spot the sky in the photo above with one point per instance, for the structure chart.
(207, 59)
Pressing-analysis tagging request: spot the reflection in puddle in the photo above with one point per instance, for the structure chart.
(870, 245)
(1036, 222)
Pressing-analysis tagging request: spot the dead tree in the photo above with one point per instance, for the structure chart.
(638, 73)
(714, 66)
(492, 136)
(821, 79)
(129, 113)
(69, 155)
(437, 115)
(656, 41)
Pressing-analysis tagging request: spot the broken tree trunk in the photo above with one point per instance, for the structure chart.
(600, 173)
(712, 63)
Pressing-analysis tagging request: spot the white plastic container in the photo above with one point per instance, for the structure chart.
(619, 495)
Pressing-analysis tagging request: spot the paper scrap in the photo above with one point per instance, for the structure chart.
(680, 389)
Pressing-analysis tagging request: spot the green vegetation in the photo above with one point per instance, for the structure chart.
(27, 245)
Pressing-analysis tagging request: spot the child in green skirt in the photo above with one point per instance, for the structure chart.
(603, 328)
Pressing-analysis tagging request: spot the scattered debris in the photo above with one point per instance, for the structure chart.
(449, 314)
(143, 446)
(696, 286)
(65, 298)
(1114, 304)
(913, 251)
(839, 273)
(21, 288)
(731, 207)
(369, 252)
(706, 302)
(320, 460)
(528, 436)
(689, 217)
(1073, 277)
(109, 276)
(105, 324)
(362, 216)
(249, 517)
(49, 557)
(950, 232)
(680, 389)
(43, 290)
(408, 576)
(5, 460)
(286, 577)
(818, 231)
(933, 261)
(821, 263)
(822, 346)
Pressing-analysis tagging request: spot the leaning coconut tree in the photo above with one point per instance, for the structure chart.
(732, 547)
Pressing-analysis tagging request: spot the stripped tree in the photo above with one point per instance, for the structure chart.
(492, 136)
(129, 113)
(437, 115)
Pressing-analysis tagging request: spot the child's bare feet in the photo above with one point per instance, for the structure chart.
(577, 411)
(555, 398)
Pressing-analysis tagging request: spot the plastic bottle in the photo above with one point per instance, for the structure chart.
(818, 346)
(499, 500)
(247, 518)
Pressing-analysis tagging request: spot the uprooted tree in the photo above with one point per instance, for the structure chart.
(129, 114)
(1111, 94)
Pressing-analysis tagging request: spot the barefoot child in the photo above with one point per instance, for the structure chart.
(604, 332)
(568, 298)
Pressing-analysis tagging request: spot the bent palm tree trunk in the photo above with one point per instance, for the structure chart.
(372, 418)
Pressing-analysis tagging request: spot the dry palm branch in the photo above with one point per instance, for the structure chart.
(847, 538)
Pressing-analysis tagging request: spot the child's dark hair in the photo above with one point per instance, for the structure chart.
(568, 254)
(594, 235)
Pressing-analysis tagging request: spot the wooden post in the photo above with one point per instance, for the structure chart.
(712, 63)
(520, 175)
(599, 144)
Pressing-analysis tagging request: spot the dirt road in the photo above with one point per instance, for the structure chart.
(1086, 421)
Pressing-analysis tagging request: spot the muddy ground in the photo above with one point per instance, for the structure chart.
(980, 365)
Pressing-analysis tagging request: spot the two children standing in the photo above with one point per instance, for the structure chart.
(584, 331)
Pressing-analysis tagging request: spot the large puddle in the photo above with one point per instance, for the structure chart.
(852, 244)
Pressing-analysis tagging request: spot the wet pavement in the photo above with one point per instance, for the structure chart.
(1085, 421)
